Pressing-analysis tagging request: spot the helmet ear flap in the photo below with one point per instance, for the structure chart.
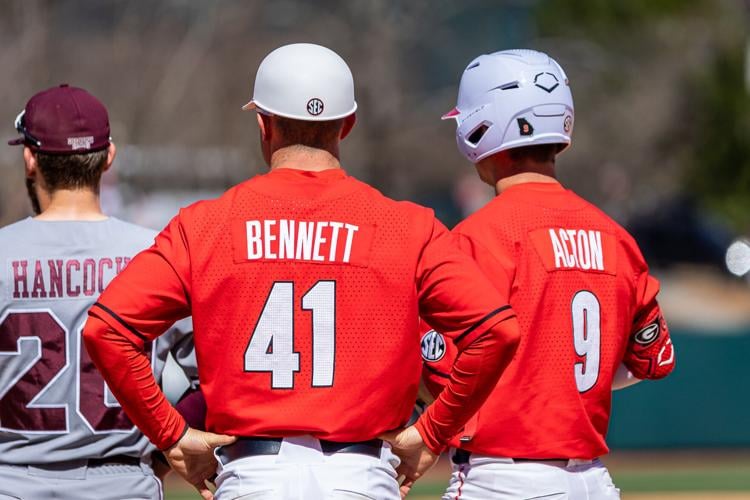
(471, 134)
(478, 133)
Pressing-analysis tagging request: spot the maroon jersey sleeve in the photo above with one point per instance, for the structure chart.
(150, 294)
(458, 299)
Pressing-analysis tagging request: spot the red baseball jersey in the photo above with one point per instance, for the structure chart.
(305, 290)
(585, 304)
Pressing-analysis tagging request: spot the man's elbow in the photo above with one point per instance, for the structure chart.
(663, 369)
(508, 333)
(93, 332)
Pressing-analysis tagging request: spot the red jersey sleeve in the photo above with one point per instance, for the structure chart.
(140, 304)
(455, 297)
(153, 291)
(438, 355)
(458, 299)
(437, 359)
(649, 353)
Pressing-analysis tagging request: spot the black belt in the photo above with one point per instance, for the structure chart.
(461, 457)
(249, 447)
(114, 460)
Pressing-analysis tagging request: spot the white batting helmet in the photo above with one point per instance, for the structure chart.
(510, 99)
(305, 82)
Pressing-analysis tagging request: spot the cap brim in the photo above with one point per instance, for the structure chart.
(249, 106)
(16, 142)
(451, 114)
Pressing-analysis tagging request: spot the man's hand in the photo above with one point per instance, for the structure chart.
(160, 465)
(192, 457)
(416, 458)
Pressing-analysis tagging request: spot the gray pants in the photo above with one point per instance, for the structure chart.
(74, 481)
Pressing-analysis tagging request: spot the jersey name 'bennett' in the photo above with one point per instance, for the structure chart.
(321, 241)
(52, 278)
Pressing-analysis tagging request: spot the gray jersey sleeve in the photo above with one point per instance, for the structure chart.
(54, 405)
(179, 341)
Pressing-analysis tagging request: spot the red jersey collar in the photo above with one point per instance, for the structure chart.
(298, 175)
(303, 184)
(537, 186)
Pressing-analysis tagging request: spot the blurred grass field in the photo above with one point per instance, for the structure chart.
(670, 475)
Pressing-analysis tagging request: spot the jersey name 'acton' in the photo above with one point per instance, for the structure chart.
(577, 248)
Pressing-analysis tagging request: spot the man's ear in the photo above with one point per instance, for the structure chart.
(31, 166)
(349, 122)
(111, 153)
(264, 124)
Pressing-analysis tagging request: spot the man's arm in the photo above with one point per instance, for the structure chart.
(649, 353)
(474, 374)
(148, 296)
(458, 300)
(623, 378)
(145, 299)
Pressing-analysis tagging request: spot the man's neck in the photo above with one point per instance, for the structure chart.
(522, 178)
(70, 204)
(304, 158)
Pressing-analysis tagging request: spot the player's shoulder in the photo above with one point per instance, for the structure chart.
(210, 206)
(379, 201)
(493, 216)
(612, 225)
(626, 241)
(132, 229)
(16, 228)
(129, 233)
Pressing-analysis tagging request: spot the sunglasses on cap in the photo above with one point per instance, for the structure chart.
(21, 128)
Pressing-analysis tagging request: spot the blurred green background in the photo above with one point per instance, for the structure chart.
(662, 94)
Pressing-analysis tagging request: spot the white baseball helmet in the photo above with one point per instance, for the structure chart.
(510, 99)
(305, 82)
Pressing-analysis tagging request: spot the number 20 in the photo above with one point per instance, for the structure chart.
(585, 311)
(271, 347)
(40, 331)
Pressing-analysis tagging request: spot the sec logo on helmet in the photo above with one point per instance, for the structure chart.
(433, 346)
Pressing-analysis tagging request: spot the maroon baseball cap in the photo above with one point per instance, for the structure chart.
(63, 120)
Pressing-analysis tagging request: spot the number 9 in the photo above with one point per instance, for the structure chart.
(585, 311)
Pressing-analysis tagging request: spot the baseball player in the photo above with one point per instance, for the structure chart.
(585, 301)
(62, 433)
(305, 287)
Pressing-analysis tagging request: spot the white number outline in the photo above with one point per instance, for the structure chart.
(38, 341)
(591, 339)
(323, 329)
(322, 336)
(107, 392)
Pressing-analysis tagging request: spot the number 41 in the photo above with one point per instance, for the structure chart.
(271, 347)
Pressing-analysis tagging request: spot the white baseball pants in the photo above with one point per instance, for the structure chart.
(490, 478)
(302, 471)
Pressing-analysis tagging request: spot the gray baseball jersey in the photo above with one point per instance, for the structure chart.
(54, 405)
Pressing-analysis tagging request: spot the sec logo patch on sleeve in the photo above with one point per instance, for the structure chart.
(433, 346)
